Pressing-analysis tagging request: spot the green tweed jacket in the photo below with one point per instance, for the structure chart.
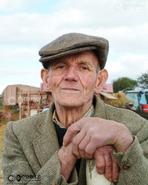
(30, 152)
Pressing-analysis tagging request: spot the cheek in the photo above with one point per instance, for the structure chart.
(53, 81)
(88, 82)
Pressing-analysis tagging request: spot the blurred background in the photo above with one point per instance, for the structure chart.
(27, 25)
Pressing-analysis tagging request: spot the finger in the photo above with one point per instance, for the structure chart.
(100, 163)
(84, 142)
(82, 154)
(75, 144)
(115, 170)
(70, 133)
(90, 148)
(75, 151)
(108, 166)
(81, 150)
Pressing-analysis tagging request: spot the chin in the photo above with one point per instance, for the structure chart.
(70, 102)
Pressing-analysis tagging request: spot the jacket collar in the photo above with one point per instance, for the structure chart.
(99, 108)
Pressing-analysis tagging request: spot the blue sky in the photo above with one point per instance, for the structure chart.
(32, 6)
(27, 25)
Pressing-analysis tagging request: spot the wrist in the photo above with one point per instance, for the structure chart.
(66, 157)
(124, 139)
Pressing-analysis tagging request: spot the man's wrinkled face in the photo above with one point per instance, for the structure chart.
(73, 79)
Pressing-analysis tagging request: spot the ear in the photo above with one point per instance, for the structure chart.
(45, 78)
(101, 80)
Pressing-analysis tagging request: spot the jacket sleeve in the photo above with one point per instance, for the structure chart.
(134, 163)
(17, 170)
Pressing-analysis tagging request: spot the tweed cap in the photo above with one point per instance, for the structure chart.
(72, 43)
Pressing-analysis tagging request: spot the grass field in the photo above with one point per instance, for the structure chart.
(2, 128)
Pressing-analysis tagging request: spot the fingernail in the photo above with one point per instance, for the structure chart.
(109, 178)
(100, 171)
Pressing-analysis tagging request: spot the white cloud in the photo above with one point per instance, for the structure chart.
(129, 65)
(35, 29)
(109, 13)
(122, 22)
(7, 4)
(16, 53)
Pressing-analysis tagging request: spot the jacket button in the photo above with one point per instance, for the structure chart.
(125, 166)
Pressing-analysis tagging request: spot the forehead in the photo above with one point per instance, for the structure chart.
(88, 57)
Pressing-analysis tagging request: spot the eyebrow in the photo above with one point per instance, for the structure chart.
(57, 62)
(85, 62)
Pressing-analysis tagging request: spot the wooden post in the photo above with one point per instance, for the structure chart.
(20, 110)
(28, 104)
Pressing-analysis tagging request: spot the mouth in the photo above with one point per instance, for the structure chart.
(70, 89)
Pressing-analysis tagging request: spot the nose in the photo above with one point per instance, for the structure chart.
(71, 74)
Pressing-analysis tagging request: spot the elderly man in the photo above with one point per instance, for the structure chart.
(53, 146)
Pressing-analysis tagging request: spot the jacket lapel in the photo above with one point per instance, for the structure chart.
(45, 142)
(99, 108)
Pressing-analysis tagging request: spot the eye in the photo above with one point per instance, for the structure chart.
(84, 67)
(59, 66)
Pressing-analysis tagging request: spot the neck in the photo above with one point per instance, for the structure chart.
(69, 115)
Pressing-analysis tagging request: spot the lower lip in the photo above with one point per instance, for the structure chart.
(74, 90)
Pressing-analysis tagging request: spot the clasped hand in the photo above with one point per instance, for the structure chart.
(96, 138)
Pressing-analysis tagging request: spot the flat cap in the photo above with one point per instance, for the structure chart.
(72, 43)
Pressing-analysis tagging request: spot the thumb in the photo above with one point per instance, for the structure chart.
(71, 132)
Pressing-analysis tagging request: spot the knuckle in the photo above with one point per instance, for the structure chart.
(99, 152)
(75, 154)
(94, 138)
(88, 156)
(116, 175)
(109, 164)
(70, 129)
(75, 142)
(81, 147)
(91, 131)
(100, 166)
(88, 151)
(109, 177)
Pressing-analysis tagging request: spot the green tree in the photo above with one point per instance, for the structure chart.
(123, 83)
(143, 80)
